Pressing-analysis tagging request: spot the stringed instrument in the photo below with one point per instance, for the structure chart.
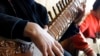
(58, 25)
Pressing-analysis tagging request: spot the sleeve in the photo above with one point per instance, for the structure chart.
(79, 42)
(43, 13)
(11, 27)
(84, 25)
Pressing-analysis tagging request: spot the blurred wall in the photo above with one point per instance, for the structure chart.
(49, 3)
(89, 4)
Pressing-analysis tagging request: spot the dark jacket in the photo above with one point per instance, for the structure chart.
(15, 14)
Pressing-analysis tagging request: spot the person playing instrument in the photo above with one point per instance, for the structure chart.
(28, 20)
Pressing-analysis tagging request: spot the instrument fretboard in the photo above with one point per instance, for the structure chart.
(61, 23)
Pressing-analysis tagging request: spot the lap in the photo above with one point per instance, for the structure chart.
(13, 48)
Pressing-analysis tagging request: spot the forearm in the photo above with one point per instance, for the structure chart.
(11, 27)
(80, 43)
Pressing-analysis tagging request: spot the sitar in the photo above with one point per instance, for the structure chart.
(58, 25)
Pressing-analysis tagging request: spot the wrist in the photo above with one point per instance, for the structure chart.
(30, 29)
